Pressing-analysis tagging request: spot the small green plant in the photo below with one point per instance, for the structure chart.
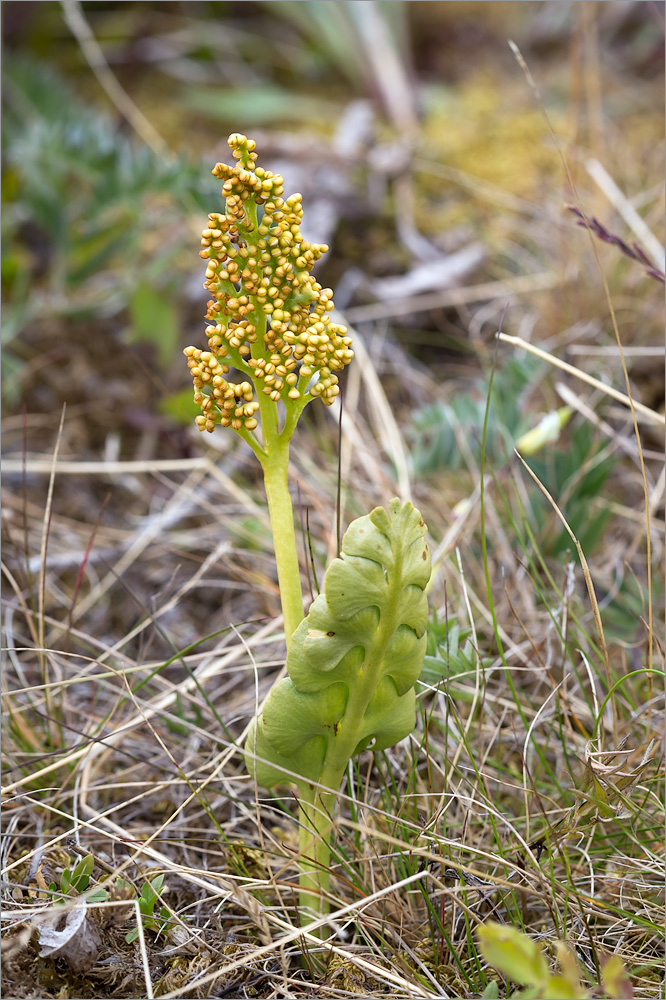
(74, 881)
(575, 476)
(520, 959)
(450, 654)
(150, 893)
(436, 430)
(102, 230)
(354, 660)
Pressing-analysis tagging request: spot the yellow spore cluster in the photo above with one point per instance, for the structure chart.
(268, 317)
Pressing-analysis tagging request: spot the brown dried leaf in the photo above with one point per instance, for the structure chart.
(67, 933)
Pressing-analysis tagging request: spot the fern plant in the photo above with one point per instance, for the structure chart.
(354, 660)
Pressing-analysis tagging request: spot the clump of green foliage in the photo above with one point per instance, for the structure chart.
(93, 221)
(75, 880)
(160, 922)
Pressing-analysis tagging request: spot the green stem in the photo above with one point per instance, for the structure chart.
(314, 847)
(274, 458)
(276, 465)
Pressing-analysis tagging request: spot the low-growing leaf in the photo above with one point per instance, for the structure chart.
(271, 768)
(98, 896)
(293, 718)
(65, 880)
(561, 988)
(546, 431)
(615, 979)
(154, 321)
(513, 954)
(261, 104)
(81, 875)
(157, 883)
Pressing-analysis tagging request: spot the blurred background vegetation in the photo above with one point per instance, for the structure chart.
(409, 127)
(425, 162)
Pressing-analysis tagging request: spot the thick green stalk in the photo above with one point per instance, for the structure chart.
(276, 465)
(314, 848)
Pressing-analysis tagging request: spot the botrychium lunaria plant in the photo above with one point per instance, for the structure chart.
(354, 660)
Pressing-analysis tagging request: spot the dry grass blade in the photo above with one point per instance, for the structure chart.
(81, 30)
(588, 582)
(632, 406)
(509, 289)
(651, 416)
(386, 427)
(619, 201)
(309, 935)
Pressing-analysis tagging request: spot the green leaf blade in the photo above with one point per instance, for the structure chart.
(352, 663)
(354, 660)
(513, 954)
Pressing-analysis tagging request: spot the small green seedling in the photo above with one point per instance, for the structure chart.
(354, 660)
(150, 893)
(75, 881)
